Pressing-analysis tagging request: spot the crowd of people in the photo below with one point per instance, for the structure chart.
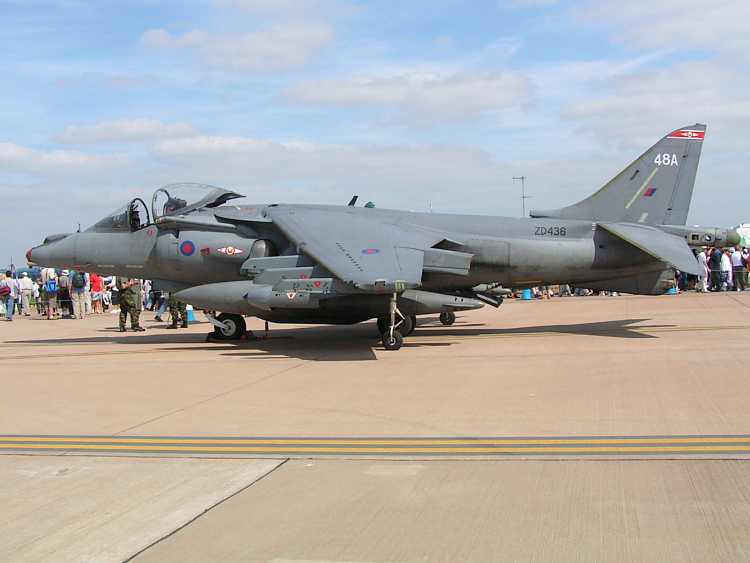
(74, 294)
(722, 269)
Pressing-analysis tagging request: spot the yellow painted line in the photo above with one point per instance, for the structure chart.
(134, 441)
(378, 450)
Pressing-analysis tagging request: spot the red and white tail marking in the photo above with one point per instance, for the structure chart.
(687, 134)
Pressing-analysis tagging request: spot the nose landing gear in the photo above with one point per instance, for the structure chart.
(227, 326)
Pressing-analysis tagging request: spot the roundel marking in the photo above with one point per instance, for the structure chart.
(370, 251)
(187, 248)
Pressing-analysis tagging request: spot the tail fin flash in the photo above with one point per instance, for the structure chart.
(655, 189)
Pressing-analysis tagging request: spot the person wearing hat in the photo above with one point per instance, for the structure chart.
(63, 283)
(50, 292)
(27, 290)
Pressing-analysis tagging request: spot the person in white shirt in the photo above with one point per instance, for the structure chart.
(27, 290)
(739, 270)
(726, 271)
(703, 276)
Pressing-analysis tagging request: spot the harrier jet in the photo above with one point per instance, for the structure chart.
(289, 263)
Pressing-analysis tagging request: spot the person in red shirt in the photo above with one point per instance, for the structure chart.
(97, 292)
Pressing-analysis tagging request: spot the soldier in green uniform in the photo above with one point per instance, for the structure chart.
(178, 312)
(130, 297)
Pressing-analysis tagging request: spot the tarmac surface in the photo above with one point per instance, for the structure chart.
(575, 429)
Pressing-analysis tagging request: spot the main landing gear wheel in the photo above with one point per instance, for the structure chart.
(448, 318)
(392, 340)
(234, 327)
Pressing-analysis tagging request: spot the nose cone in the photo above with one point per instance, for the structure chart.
(55, 252)
(29, 259)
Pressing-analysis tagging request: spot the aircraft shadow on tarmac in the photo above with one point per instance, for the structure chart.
(351, 343)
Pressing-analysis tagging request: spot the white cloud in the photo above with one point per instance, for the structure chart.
(719, 25)
(124, 131)
(19, 159)
(453, 178)
(638, 105)
(280, 47)
(426, 95)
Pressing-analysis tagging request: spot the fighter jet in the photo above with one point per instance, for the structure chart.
(327, 264)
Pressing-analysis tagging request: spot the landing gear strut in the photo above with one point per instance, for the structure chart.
(392, 338)
(405, 326)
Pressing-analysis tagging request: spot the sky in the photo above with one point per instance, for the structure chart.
(411, 104)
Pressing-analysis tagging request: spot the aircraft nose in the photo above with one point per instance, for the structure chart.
(57, 251)
(29, 260)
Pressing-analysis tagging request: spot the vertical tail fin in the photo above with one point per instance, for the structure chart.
(655, 189)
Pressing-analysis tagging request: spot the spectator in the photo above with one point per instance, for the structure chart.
(739, 271)
(39, 297)
(51, 291)
(63, 283)
(9, 293)
(726, 271)
(703, 266)
(78, 282)
(97, 290)
(26, 287)
(715, 265)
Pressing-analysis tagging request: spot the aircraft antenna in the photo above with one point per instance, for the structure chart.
(524, 197)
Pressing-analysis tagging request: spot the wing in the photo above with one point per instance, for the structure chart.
(665, 247)
(367, 250)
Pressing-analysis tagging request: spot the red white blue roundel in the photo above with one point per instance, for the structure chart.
(187, 248)
(370, 251)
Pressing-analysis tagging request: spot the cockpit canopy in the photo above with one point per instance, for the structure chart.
(173, 199)
(179, 199)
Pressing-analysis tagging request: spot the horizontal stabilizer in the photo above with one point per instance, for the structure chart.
(665, 247)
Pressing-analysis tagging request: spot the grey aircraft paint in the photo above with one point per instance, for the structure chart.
(346, 264)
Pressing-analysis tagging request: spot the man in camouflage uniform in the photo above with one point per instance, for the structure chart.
(130, 302)
(178, 312)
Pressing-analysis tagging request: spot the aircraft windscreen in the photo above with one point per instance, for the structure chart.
(116, 221)
(132, 217)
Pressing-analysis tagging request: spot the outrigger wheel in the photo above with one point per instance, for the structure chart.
(448, 318)
(234, 327)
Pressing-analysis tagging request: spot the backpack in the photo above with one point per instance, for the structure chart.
(79, 280)
(51, 286)
(4, 290)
